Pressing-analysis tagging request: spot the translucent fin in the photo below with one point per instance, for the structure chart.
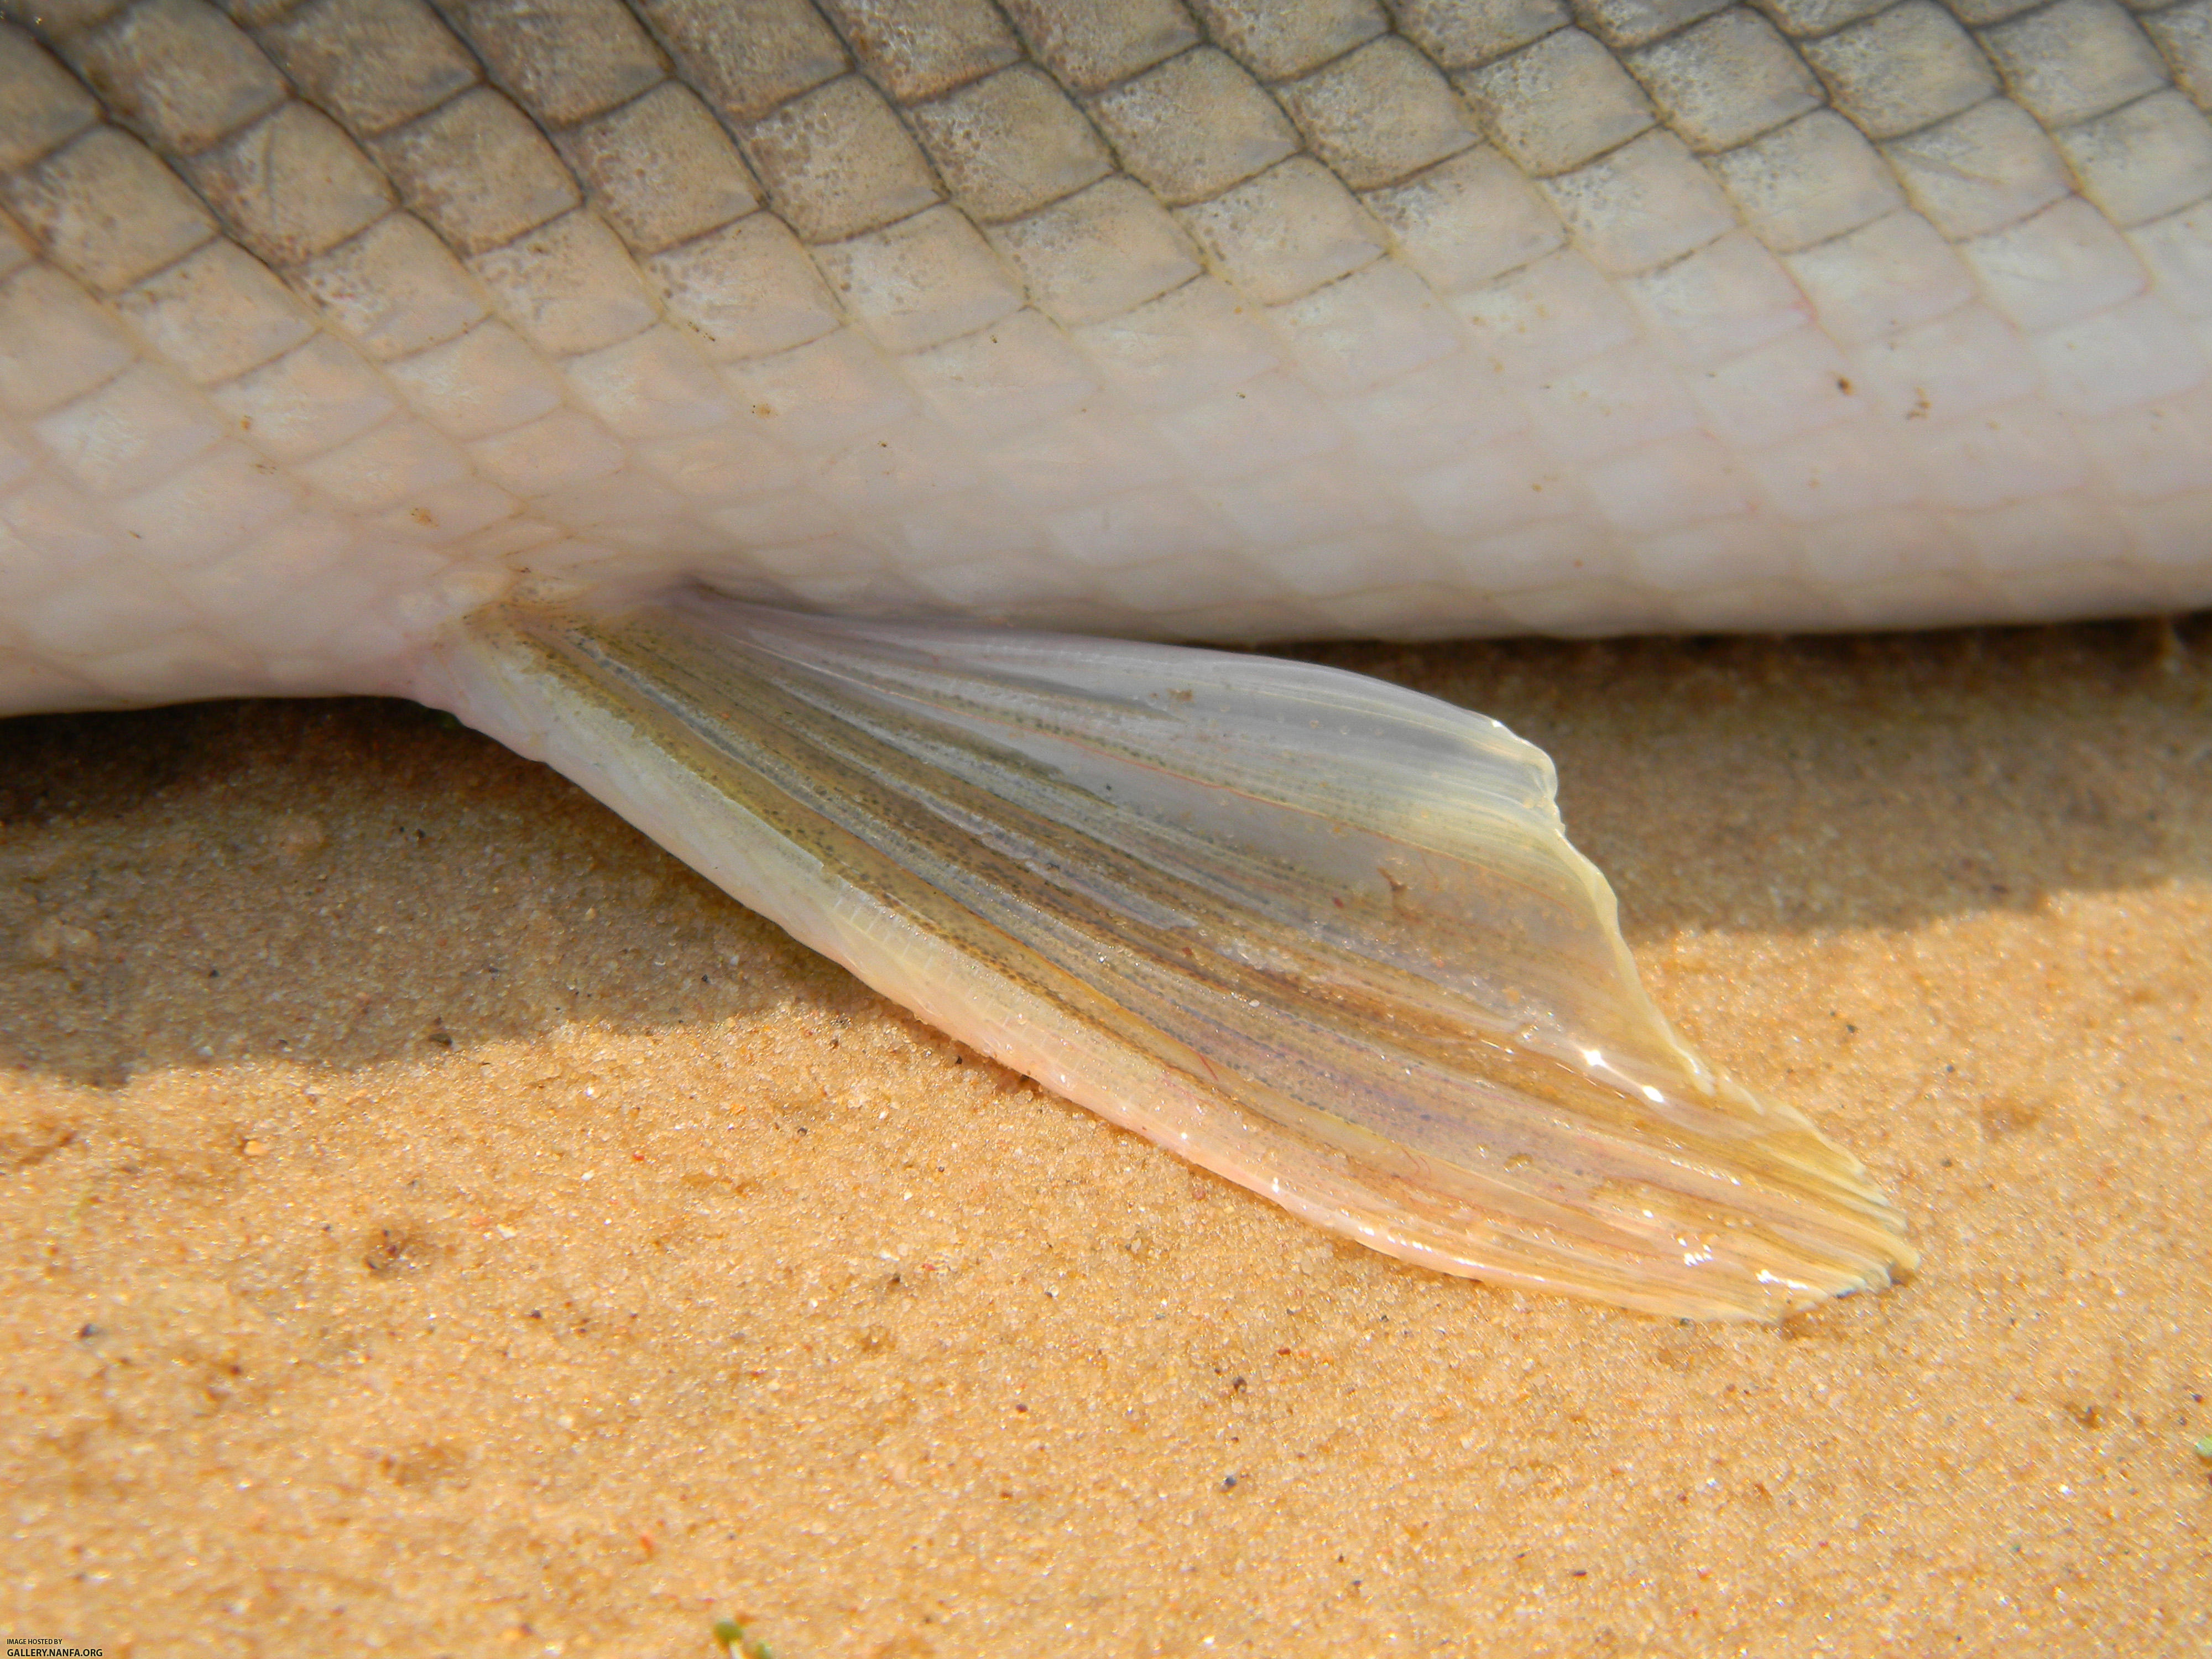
(1315, 933)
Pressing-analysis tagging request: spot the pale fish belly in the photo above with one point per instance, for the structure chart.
(322, 323)
(452, 351)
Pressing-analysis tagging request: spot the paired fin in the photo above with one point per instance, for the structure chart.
(1320, 934)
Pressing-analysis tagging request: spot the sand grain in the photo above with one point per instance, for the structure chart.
(432, 1221)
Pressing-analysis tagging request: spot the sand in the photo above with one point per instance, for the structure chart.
(433, 1222)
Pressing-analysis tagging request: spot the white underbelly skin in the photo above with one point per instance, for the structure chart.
(322, 322)
(366, 345)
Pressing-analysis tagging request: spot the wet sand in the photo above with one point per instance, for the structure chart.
(433, 1222)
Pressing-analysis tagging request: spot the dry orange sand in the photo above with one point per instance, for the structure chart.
(437, 1223)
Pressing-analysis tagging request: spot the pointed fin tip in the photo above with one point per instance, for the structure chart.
(1316, 933)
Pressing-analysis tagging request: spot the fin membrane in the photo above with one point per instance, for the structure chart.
(1320, 934)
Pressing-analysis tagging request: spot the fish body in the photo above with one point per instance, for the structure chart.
(323, 324)
(515, 353)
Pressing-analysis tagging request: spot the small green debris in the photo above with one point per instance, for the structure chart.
(2204, 1448)
(736, 1643)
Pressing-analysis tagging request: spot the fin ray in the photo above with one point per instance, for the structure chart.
(1321, 934)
